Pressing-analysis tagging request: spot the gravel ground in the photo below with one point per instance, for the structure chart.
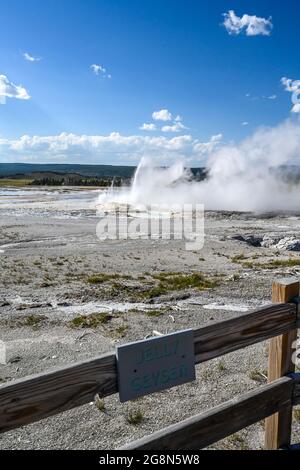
(46, 268)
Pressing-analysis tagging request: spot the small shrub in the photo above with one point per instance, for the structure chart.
(256, 375)
(221, 366)
(237, 258)
(297, 415)
(99, 402)
(101, 278)
(154, 313)
(274, 264)
(90, 321)
(121, 331)
(169, 282)
(33, 320)
(135, 417)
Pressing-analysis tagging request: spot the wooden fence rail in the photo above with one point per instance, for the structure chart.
(33, 398)
(217, 423)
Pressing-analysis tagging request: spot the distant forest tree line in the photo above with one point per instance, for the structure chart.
(76, 180)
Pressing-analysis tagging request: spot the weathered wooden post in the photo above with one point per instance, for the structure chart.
(278, 426)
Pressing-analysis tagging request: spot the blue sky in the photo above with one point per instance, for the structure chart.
(173, 55)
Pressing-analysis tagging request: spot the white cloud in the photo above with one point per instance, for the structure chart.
(261, 97)
(293, 86)
(100, 70)
(10, 90)
(30, 58)
(205, 148)
(290, 85)
(105, 148)
(296, 108)
(176, 127)
(162, 115)
(245, 123)
(148, 127)
(250, 25)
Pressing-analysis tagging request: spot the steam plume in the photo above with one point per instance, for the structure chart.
(243, 177)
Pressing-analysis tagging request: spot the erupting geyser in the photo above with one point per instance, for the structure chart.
(244, 177)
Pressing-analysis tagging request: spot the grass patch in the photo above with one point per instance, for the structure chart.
(121, 331)
(33, 320)
(17, 183)
(238, 258)
(154, 313)
(135, 417)
(165, 275)
(297, 415)
(257, 376)
(169, 282)
(184, 281)
(99, 402)
(221, 366)
(90, 321)
(277, 263)
(101, 278)
(285, 263)
(154, 292)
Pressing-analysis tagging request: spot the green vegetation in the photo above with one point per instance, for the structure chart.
(286, 263)
(238, 258)
(297, 415)
(99, 402)
(154, 292)
(33, 320)
(17, 183)
(169, 282)
(221, 366)
(135, 417)
(121, 331)
(76, 180)
(101, 278)
(90, 321)
(278, 263)
(257, 376)
(151, 286)
(155, 313)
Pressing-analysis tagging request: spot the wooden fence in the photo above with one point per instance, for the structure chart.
(36, 397)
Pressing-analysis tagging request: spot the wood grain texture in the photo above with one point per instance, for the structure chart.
(33, 398)
(278, 427)
(206, 428)
(36, 397)
(227, 336)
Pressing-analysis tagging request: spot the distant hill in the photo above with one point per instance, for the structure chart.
(13, 170)
(92, 171)
(32, 170)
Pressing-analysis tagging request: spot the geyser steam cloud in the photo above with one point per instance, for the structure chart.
(242, 177)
